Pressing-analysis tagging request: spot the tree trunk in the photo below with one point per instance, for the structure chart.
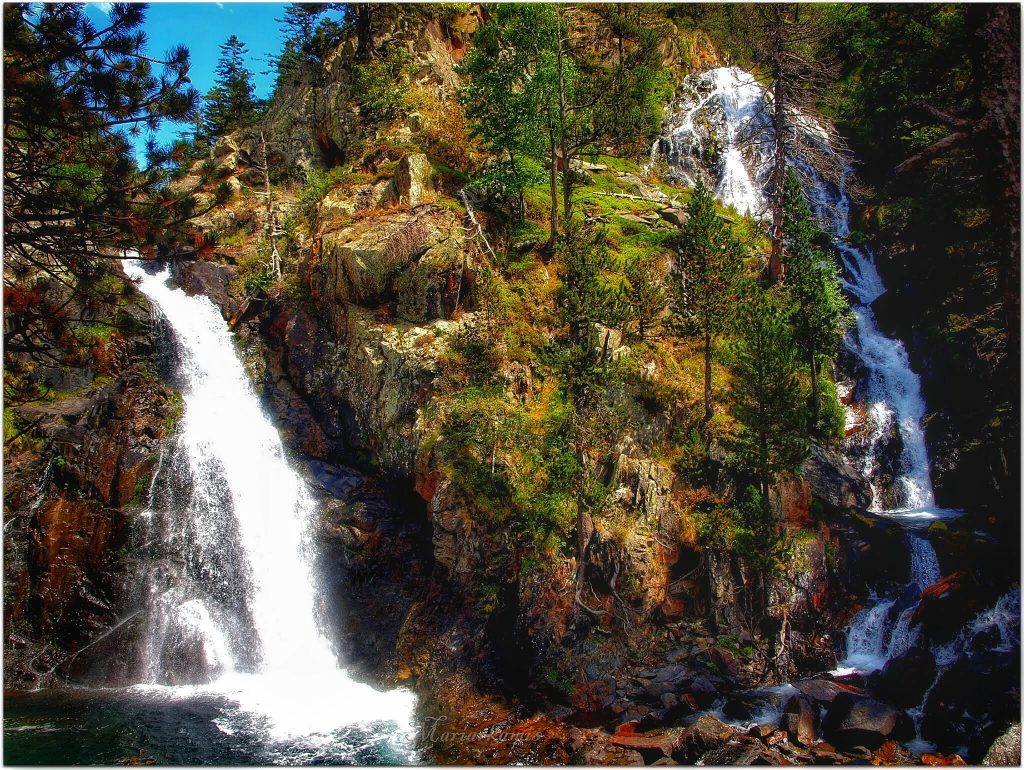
(815, 393)
(564, 133)
(554, 186)
(709, 410)
(778, 184)
(364, 31)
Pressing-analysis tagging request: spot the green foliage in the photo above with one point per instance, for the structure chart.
(590, 294)
(72, 94)
(508, 95)
(705, 280)
(821, 313)
(513, 461)
(768, 400)
(646, 295)
(318, 184)
(310, 33)
(231, 103)
(381, 85)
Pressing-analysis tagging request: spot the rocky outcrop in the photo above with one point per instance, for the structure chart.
(413, 261)
(1005, 750)
(835, 481)
(68, 576)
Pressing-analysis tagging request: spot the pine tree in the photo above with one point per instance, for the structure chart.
(708, 266)
(231, 103)
(309, 34)
(647, 297)
(786, 41)
(812, 281)
(768, 399)
(75, 198)
(587, 298)
(509, 96)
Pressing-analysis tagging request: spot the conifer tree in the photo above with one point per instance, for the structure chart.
(231, 103)
(75, 198)
(768, 399)
(707, 269)
(587, 298)
(812, 281)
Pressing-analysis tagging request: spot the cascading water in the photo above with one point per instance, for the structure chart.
(233, 603)
(723, 129)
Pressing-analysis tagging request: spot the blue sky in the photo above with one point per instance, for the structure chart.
(203, 27)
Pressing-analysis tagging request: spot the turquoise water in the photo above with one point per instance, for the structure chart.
(105, 727)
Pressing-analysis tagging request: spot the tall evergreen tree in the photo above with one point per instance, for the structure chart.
(768, 399)
(786, 42)
(231, 103)
(708, 267)
(587, 298)
(812, 281)
(509, 98)
(310, 33)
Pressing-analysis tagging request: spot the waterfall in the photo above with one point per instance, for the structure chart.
(233, 598)
(721, 130)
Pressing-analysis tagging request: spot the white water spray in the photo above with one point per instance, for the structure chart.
(245, 622)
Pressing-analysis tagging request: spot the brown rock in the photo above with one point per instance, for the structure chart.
(943, 760)
(800, 720)
(707, 733)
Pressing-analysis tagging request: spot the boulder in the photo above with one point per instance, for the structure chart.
(707, 733)
(416, 258)
(823, 691)
(650, 746)
(210, 279)
(800, 720)
(905, 678)
(677, 217)
(1005, 750)
(413, 182)
(854, 720)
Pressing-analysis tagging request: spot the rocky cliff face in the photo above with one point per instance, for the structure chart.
(75, 485)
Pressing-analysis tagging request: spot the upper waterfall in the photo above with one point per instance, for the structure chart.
(720, 129)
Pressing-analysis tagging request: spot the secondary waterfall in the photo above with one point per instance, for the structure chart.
(233, 600)
(722, 129)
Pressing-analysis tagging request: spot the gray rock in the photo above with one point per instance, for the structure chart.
(1005, 751)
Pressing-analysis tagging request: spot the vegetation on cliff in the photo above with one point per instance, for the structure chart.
(451, 258)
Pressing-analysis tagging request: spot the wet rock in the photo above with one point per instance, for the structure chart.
(599, 755)
(945, 760)
(210, 279)
(835, 481)
(860, 721)
(800, 720)
(336, 481)
(825, 753)
(707, 733)
(650, 746)
(703, 691)
(1005, 750)
(904, 679)
(972, 702)
(743, 755)
(822, 690)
